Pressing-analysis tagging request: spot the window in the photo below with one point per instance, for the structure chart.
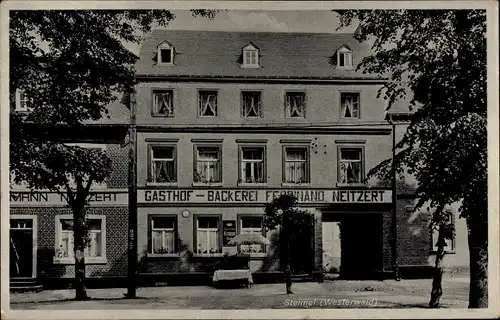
(163, 168)
(165, 53)
(163, 235)
(344, 57)
(207, 104)
(94, 252)
(349, 105)
(295, 104)
(248, 225)
(22, 101)
(251, 104)
(208, 164)
(296, 168)
(252, 167)
(208, 240)
(450, 243)
(250, 56)
(163, 104)
(350, 165)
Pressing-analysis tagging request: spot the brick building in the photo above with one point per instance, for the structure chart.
(226, 121)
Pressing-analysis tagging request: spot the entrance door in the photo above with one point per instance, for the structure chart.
(331, 246)
(301, 249)
(361, 245)
(21, 248)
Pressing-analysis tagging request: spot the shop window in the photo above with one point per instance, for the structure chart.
(163, 235)
(163, 104)
(296, 165)
(450, 243)
(207, 104)
(252, 166)
(208, 235)
(95, 252)
(251, 224)
(208, 164)
(295, 104)
(251, 104)
(350, 165)
(349, 105)
(163, 167)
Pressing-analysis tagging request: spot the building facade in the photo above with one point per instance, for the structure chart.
(226, 122)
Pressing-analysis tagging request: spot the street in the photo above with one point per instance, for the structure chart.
(330, 294)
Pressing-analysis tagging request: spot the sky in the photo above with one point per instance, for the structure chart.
(314, 21)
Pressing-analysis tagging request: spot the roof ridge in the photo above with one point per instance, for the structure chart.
(155, 30)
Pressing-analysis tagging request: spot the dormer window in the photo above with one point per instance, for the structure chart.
(251, 56)
(344, 57)
(22, 101)
(165, 53)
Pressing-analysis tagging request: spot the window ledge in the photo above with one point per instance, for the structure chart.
(207, 255)
(293, 184)
(97, 260)
(350, 185)
(254, 255)
(202, 184)
(250, 66)
(163, 255)
(162, 184)
(158, 115)
(249, 184)
(445, 252)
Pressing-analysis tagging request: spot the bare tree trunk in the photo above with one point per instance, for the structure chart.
(79, 250)
(477, 225)
(437, 289)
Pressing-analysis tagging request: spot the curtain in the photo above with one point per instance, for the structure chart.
(295, 166)
(208, 241)
(163, 241)
(163, 103)
(208, 166)
(208, 105)
(164, 171)
(295, 104)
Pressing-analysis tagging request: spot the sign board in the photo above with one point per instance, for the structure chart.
(237, 196)
(96, 198)
(228, 231)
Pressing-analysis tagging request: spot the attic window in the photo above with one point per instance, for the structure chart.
(250, 56)
(165, 53)
(344, 57)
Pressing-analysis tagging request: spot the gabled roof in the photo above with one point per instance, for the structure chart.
(283, 55)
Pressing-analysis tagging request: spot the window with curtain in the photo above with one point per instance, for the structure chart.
(207, 235)
(163, 104)
(252, 165)
(208, 165)
(251, 225)
(296, 166)
(163, 235)
(251, 104)
(163, 168)
(295, 104)
(350, 165)
(66, 239)
(349, 105)
(207, 103)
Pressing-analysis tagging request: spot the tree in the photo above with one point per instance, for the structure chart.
(439, 56)
(284, 211)
(70, 64)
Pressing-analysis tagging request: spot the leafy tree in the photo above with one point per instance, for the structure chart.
(284, 211)
(70, 63)
(439, 56)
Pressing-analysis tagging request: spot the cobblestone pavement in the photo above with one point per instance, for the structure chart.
(329, 294)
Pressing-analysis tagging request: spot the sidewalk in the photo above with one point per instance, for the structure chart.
(330, 294)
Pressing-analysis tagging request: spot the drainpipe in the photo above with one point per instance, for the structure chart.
(395, 260)
(132, 200)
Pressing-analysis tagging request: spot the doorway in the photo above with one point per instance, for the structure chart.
(22, 253)
(331, 247)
